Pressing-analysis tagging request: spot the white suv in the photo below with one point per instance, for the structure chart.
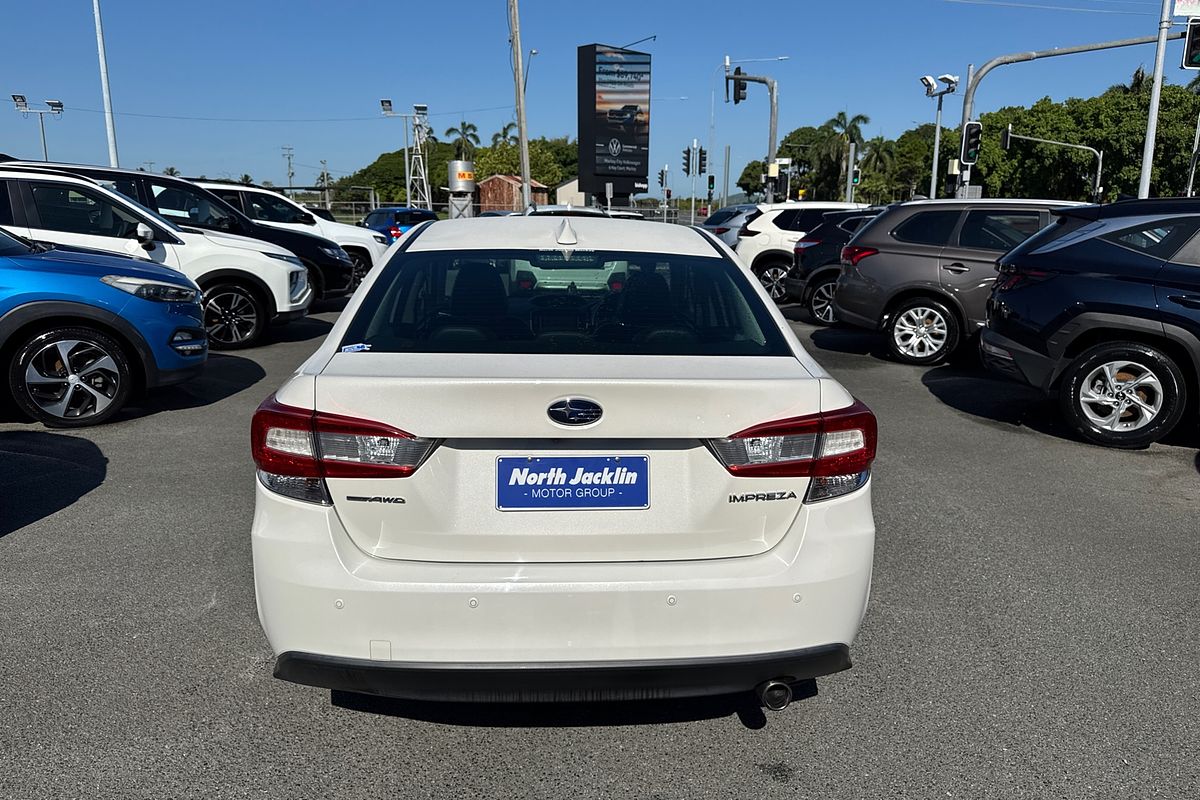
(767, 239)
(366, 247)
(247, 283)
(663, 496)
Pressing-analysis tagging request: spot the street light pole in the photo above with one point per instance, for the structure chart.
(937, 143)
(1164, 25)
(108, 112)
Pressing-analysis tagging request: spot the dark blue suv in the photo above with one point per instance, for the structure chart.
(80, 331)
(394, 222)
(1102, 308)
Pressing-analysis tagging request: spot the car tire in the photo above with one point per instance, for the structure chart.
(362, 265)
(922, 331)
(819, 302)
(1123, 394)
(70, 377)
(771, 275)
(234, 316)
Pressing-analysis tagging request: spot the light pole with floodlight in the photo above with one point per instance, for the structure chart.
(931, 90)
(55, 108)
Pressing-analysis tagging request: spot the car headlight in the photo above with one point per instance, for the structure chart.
(336, 253)
(153, 290)
(379, 238)
(289, 258)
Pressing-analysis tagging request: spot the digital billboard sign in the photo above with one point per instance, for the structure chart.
(614, 119)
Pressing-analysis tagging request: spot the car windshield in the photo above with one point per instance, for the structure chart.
(12, 245)
(273, 208)
(563, 301)
(722, 216)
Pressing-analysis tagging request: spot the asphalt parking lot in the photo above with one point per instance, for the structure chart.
(1032, 629)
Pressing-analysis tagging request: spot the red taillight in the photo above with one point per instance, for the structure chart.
(1011, 277)
(300, 443)
(395, 232)
(805, 243)
(852, 254)
(832, 444)
(719, 231)
(745, 231)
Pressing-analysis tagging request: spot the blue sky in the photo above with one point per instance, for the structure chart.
(283, 62)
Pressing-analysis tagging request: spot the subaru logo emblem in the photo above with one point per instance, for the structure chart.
(574, 411)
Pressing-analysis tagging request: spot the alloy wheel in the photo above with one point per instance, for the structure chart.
(920, 332)
(821, 303)
(230, 317)
(772, 280)
(1121, 396)
(72, 379)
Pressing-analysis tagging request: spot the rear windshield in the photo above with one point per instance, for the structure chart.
(722, 216)
(572, 302)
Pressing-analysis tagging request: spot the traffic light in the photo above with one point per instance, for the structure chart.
(687, 161)
(1006, 137)
(668, 194)
(662, 177)
(739, 87)
(702, 162)
(1191, 45)
(972, 137)
(855, 176)
(712, 183)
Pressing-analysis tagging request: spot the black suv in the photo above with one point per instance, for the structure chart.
(1103, 308)
(817, 261)
(330, 270)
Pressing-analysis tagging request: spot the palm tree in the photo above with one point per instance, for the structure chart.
(880, 155)
(466, 137)
(844, 129)
(1140, 82)
(505, 135)
(170, 171)
(246, 179)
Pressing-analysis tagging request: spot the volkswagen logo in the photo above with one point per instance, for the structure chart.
(614, 147)
(574, 411)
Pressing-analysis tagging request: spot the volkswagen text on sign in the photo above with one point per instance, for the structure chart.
(526, 483)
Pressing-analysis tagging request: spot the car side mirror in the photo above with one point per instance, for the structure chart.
(145, 236)
(304, 218)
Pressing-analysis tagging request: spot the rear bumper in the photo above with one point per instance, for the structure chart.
(320, 597)
(796, 287)
(1005, 357)
(560, 682)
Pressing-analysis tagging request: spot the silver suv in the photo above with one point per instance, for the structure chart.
(922, 271)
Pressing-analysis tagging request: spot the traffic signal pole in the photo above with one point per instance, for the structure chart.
(1164, 25)
(975, 76)
(1099, 154)
(773, 93)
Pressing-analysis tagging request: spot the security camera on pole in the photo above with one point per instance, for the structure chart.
(931, 90)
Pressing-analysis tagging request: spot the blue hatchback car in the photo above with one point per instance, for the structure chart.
(80, 331)
(394, 221)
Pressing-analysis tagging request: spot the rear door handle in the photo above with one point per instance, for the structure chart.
(956, 268)
(1186, 300)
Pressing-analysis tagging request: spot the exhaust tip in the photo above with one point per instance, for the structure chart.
(775, 694)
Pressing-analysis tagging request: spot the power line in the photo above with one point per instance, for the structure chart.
(284, 119)
(1003, 4)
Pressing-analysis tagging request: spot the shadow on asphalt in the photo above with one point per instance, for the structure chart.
(569, 715)
(301, 330)
(41, 473)
(840, 338)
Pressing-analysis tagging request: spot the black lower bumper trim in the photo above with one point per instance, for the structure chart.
(560, 681)
(284, 317)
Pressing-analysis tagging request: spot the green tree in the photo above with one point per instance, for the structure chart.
(245, 179)
(507, 134)
(465, 138)
(843, 129)
(170, 171)
(750, 181)
(505, 159)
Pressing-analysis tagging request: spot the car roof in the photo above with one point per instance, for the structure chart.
(818, 205)
(548, 208)
(398, 208)
(987, 201)
(1148, 206)
(551, 233)
(34, 171)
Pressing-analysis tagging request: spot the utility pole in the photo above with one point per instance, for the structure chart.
(287, 153)
(514, 27)
(108, 112)
(975, 76)
(149, 165)
(1164, 25)
(325, 180)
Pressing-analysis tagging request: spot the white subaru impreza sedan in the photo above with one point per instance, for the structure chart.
(545, 459)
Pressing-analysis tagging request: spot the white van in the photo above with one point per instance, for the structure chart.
(247, 283)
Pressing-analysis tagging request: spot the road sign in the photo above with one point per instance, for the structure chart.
(1187, 8)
